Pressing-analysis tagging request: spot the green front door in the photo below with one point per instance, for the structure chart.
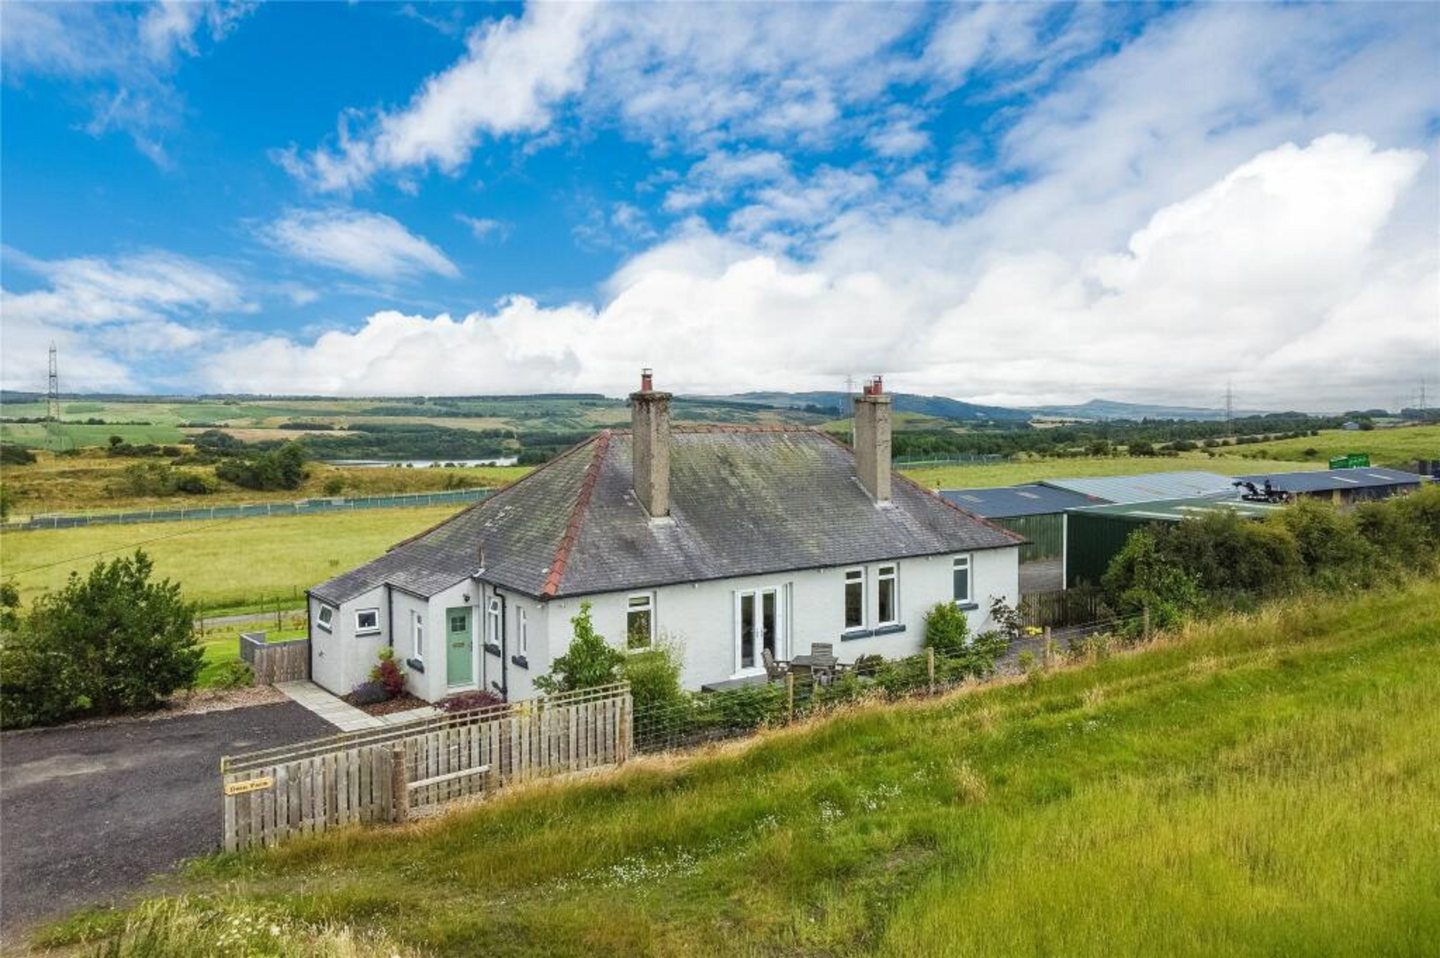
(460, 648)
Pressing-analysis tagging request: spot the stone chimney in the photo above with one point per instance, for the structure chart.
(872, 440)
(650, 446)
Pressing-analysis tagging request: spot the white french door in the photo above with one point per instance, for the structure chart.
(759, 627)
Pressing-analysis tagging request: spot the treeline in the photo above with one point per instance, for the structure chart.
(1221, 562)
(413, 441)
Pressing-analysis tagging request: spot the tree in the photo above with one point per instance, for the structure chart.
(1141, 577)
(115, 641)
(589, 663)
(947, 630)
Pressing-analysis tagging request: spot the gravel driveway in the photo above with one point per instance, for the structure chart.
(87, 813)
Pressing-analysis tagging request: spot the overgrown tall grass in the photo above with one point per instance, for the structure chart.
(1251, 786)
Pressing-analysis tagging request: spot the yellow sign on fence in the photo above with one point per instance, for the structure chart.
(249, 785)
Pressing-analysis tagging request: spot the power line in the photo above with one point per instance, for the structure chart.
(124, 548)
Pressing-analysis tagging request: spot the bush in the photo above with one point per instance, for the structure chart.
(947, 630)
(388, 673)
(469, 701)
(334, 486)
(1141, 576)
(235, 675)
(282, 468)
(590, 661)
(111, 642)
(654, 677)
(12, 455)
(369, 693)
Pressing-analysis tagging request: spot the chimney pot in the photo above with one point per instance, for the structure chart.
(647, 380)
(872, 440)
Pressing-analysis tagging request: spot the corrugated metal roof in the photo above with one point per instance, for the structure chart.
(744, 501)
(1149, 487)
(1173, 510)
(1328, 479)
(1008, 502)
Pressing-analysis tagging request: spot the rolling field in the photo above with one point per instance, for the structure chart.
(1262, 786)
(1033, 470)
(225, 564)
(1399, 446)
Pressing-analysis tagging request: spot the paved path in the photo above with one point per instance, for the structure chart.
(343, 715)
(88, 813)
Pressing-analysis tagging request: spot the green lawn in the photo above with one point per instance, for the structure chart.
(1399, 446)
(222, 645)
(1033, 470)
(1255, 787)
(228, 563)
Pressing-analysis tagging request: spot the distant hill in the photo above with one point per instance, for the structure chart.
(941, 407)
(1110, 409)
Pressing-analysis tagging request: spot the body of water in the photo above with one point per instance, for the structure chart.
(423, 463)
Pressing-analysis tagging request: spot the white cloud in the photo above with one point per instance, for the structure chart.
(484, 228)
(355, 241)
(119, 61)
(1282, 266)
(513, 72)
(101, 311)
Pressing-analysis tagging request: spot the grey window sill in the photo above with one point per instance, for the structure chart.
(415, 664)
(967, 606)
(521, 661)
(367, 632)
(890, 629)
(494, 649)
(852, 634)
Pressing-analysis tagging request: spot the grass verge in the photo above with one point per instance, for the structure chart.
(1254, 786)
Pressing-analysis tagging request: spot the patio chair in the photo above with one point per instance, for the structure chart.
(822, 650)
(774, 670)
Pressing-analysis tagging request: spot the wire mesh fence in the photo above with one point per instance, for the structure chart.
(680, 720)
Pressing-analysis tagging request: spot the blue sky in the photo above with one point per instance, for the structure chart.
(1010, 202)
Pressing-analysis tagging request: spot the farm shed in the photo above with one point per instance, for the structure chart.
(1149, 487)
(1035, 511)
(1341, 485)
(1094, 534)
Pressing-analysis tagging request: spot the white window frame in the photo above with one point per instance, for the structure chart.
(956, 564)
(326, 622)
(417, 636)
(781, 633)
(522, 632)
(646, 603)
(367, 629)
(494, 620)
(855, 575)
(893, 577)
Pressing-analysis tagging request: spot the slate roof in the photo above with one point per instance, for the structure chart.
(1149, 487)
(1325, 480)
(1009, 502)
(744, 501)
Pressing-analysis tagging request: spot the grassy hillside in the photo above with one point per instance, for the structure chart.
(1398, 446)
(231, 562)
(1032, 470)
(1255, 787)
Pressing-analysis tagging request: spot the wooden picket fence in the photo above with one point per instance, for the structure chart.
(386, 775)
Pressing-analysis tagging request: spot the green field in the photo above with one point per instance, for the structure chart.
(68, 435)
(229, 563)
(1033, 470)
(1252, 787)
(1399, 446)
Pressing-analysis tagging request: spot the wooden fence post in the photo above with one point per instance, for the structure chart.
(1049, 649)
(1145, 622)
(399, 785)
(930, 667)
(790, 696)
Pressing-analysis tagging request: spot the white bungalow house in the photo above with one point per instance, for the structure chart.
(723, 541)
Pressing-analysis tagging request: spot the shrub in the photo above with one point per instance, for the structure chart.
(388, 673)
(748, 707)
(282, 468)
(590, 661)
(369, 693)
(469, 701)
(234, 675)
(1141, 576)
(334, 486)
(12, 455)
(1331, 547)
(108, 643)
(947, 630)
(654, 677)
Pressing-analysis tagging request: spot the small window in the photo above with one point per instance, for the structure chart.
(367, 621)
(855, 598)
(493, 616)
(960, 574)
(325, 618)
(522, 633)
(889, 604)
(458, 623)
(417, 635)
(640, 622)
